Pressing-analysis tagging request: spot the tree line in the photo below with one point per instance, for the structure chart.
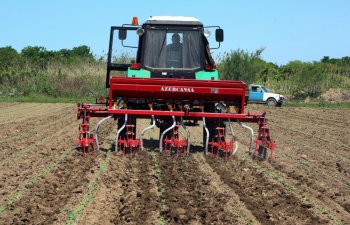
(63, 73)
(77, 72)
(296, 79)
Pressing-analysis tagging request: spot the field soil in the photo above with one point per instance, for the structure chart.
(44, 178)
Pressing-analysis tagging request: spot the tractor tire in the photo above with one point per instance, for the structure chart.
(271, 102)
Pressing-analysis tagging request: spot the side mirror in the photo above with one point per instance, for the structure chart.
(219, 35)
(122, 34)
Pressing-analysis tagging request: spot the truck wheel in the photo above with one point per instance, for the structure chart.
(271, 102)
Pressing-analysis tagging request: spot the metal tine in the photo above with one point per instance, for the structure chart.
(118, 132)
(251, 135)
(207, 137)
(164, 132)
(187, 135)
(96, 130)
(234, 137)
(147, 128)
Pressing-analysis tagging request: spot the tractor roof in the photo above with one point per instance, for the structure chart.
(184, 20)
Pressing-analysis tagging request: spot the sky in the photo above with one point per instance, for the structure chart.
(289, 30)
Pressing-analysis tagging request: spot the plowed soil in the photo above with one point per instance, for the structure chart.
(44, 179)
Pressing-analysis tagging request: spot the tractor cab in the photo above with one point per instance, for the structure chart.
(167, 47)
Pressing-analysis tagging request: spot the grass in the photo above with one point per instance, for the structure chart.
(57, 82)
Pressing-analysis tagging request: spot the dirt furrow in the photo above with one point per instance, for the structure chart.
(189, 196)
(9, 105)
(316, 129)
(49, 196)
(139, 201)
(15, 175)
(42, 110)
(13, 114)
(35, 124)
(303, 138)
(335, 137)
(325, 196)
(12, 153)
(267, 201)
(329, 116)
(24, 142)
(8, 108)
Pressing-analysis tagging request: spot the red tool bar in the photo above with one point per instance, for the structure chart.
(183, 114)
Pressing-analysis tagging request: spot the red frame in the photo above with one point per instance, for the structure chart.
(196, 92)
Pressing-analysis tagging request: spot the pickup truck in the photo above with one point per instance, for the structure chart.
(260, 94)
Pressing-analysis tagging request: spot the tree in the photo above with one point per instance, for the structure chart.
(241, 65)
(8, 57)
(82, 51)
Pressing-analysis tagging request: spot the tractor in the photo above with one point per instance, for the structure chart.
(173, 81)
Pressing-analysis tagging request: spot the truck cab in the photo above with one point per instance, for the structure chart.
(260, 94)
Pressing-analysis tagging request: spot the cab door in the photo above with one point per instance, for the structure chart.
(256, 94)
